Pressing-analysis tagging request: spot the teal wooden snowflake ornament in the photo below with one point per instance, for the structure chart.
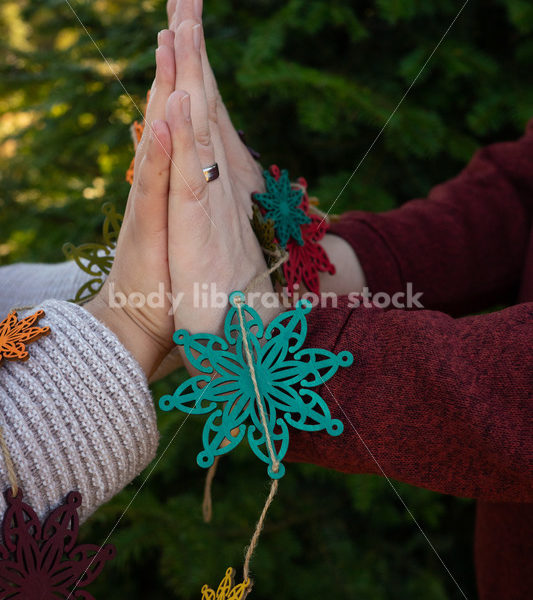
(284, 372)
(283, 204)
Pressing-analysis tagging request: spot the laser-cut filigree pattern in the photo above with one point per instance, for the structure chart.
(283, 204)
(15, 335)
(285, 372)
(42, 561)
(96, 259)
(227, 590)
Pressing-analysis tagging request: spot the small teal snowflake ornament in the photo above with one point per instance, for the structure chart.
(283, 204)
(284, 371)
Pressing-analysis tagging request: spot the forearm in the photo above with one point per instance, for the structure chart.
(463, 246)
(148, 351)
(28, 284)
(349, 275)
(437, 402)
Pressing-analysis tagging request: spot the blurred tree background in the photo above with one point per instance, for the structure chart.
(312, 82)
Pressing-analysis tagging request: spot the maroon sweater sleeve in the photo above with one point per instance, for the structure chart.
(433, 401)
(464, 246)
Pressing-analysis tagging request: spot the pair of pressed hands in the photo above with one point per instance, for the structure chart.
(179, 230)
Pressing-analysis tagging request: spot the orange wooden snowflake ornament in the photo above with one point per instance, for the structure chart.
(137, 133)
(15, 335)
(227, 590)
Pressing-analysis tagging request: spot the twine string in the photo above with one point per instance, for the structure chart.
(207, 508)
(282, 257)
(262, 413)
(259, 527)
(11, 475)
(207, 505)
(273, 458)
(249, 359)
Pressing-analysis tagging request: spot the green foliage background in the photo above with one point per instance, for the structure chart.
(312, 82)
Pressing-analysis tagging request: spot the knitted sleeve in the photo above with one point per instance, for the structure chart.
(27, 284)
(78, 415)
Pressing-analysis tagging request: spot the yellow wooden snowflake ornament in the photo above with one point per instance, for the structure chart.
(227, 590)
(15, 335)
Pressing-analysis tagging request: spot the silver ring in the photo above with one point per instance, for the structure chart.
(211, 173)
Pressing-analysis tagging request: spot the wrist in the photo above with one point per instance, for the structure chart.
(349, 275)
(146, 350)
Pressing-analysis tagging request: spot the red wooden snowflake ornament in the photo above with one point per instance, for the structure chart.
(308, 260)
(43, 562)
(305, 262)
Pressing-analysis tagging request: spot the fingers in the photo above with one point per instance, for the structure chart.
(165, 77)
(190, 77)
(217, 112)
(214, 105)
(187, 9)
(171, 8)
(220, 125)
(150, 191)
(192, 10)
(188, 188)
(166, 38)
(198, 9)
(210, 84)
(163, 86)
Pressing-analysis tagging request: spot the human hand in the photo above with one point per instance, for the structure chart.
(147, 332)
(349, 275)
(140, 267)
(210, 236)
(245, 173)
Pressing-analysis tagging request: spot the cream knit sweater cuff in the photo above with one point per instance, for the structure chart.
(78, 415)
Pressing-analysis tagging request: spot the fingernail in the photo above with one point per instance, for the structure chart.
(159, 38)
(186, 106)
(197, 36)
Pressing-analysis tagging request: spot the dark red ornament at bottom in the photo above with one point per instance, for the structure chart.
(43, 562)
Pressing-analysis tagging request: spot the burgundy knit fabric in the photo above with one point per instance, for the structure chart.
(439, 399)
